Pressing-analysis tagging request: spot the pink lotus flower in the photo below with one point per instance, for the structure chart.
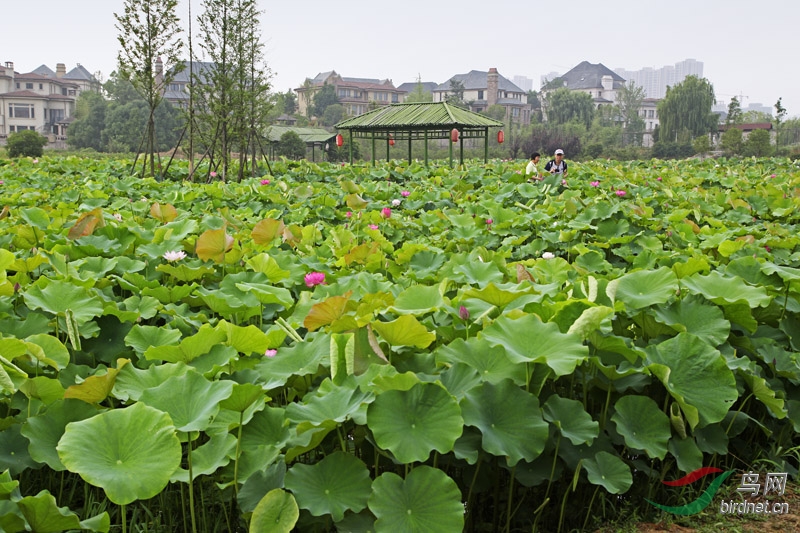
(271, 353)
(386, 212)
(36, 161)
(548, 255)
(405, 194)
(772, 176)
(314, 278)
(348, 214)
(395, 202)
(595, 183)
(563, 182)
(264, 182)
(2, 182)
(118, 217)
(213, 174)
(463, 313)
(489, 221)
(659, 178)
(767, 248)
(174, 255)
(373, 226)
(620, 193)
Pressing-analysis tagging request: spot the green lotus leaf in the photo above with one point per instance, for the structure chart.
(135, 450)
(36, 217)
(43, 388)
(426, 264)
(499, 297)
(723, 290)
(415, 422)
(427, 501)
(363, 522)
(131, 382)
(644, 288)
(258, 484)
(208, 458)
(460, 379)
(268, 294)
(49, 350)
(491, 362)
(263, 437)
(692, 315)
(696, 376)
(299, 360)
(405, 331)
(496, 410)
(42, 514)
(250, 339)
(477, 273)
(765, 394)
(329, 402)
(58, 297)
(609, 471)
(191, 400)
(642, 424)
(45, 430)
(141, 338)
(686, 453)
(189, 348)
(14, 455)
(277, 512)
(340, 482)
(243, 396)
(592, 319)
(184, 272)
(419, 300)
(571, 419)
(530, 339)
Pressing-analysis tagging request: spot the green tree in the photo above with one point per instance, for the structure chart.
(336, 153)
(289, 102)
(291, 146)
(701, 144)
(149, 32)
(780, 115)
(496, 112)
(629, 103)
(731, 141)
(25, 143)
(323, 98)
(333, 115)
(756, 117)
(233, 95)
(124, 123)
(87, 130)
(758, 144)
(565, 106)
(685, 111)
(734, 112)
(455, 95)
(418, 94)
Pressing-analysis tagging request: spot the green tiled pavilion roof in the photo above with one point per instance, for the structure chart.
(418, 116)
(308, 135)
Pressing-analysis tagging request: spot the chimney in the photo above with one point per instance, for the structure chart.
(492, 86)
(61, 70)
(608, 83)
(159, 74)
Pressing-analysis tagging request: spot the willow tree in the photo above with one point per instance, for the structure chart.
(233, 94)
(149, 39)
(685, 111)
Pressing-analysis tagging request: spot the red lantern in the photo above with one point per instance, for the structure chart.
(454, 135)
(501, 137)
(391, 140)
(339, 140)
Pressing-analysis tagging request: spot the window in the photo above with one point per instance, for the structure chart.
(650, 113)
(17, 85)
(515, 112)
(394, 98)
(72, 92)
(21, 111)
(29, 86)
(41, 86)
(480, 95)
(175, 87)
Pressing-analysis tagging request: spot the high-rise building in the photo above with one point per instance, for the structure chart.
(523, 82)
(655, 81)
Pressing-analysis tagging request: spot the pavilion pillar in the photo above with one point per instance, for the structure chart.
(351, 146)
(485, 145)
(426, 148)
(374, 162)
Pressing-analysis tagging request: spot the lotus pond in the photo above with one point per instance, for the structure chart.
(393, 348)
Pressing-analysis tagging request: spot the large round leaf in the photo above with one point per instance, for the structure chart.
(338, 483)
(45, 430)
(427, 501)
(610, 472)
(190, 399)
(571, 419)
(134, 451)
(412, 423)
(696, 375)
(692, 315)
(642, 424)
(530, 339)
(277, 512)
(509, 418)
(644, 288)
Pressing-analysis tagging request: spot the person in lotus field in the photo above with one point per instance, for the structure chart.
(532, 170)
(557, 165)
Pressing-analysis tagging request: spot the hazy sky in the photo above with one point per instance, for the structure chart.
(747, 48)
